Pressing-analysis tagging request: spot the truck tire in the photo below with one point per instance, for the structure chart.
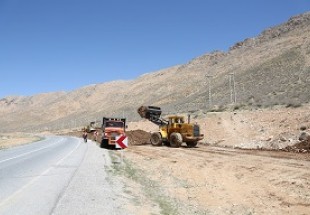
(156, 139)
(175, 140)
(191, 144)
(104, 143)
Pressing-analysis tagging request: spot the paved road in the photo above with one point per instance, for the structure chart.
(61, 175)
(33, 177)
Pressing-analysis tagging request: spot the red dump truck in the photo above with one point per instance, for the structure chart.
(111, 129)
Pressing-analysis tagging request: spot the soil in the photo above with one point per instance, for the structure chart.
(138, 137)
(248, 163)
(219, 180)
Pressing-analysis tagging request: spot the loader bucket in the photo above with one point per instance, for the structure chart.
(149, 112)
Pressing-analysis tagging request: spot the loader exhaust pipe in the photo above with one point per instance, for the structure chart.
(188, 118)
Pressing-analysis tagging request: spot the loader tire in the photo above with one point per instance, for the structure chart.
(191, 144)
(156, 139)
(175, 140)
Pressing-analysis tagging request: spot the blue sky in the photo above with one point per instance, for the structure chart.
(61, 45)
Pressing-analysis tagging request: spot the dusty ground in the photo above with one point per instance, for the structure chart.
(259, 129)
(266, 177)
(15, 139)
(218, 177)
(272, 129)
(214, 180)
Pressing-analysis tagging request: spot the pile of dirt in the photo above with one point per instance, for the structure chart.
(135, 137)
(138, 137)
(302, 146)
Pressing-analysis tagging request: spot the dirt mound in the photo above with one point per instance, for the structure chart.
(302, 146)
(138, 137)
(135, 137)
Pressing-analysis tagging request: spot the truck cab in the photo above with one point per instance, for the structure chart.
(111, 129)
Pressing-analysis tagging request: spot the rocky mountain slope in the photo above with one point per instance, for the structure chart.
(270, 69)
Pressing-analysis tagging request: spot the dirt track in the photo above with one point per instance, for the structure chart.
(218, 180)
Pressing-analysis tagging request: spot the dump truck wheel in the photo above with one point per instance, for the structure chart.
(104, 143)
(175, 140)
(191, 144)
(156, 139)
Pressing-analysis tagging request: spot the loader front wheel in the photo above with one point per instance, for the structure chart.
(175, 140)
(156, 139)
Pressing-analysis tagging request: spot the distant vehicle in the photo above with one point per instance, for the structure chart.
(90, 128)
(111, 129)
(172, 131)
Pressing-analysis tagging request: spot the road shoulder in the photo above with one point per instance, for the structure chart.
(93, 190)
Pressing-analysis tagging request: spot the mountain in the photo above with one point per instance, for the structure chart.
(270, 69)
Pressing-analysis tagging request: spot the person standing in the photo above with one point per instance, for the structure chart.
(95, 135)
(85, 136)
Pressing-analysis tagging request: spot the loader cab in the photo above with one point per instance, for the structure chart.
(176, 123)
(176, 120)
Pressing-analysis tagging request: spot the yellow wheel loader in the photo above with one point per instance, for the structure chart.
(172, 131)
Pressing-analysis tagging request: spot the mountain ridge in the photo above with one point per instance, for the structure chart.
(270, 69)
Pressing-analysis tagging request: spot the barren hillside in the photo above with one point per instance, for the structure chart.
(270, 69)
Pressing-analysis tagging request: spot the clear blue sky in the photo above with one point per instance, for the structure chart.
(56, 45)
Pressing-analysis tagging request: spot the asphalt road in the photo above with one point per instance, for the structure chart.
(33, 177)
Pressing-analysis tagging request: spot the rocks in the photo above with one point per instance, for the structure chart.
(303, 128)
(282, 138)
(304, 136)
(301, 147)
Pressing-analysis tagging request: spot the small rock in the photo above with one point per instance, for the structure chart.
(283, 139)
(304, 136)
(269, 139)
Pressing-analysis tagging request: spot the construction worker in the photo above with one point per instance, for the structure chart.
(95, 135)
(85, 136)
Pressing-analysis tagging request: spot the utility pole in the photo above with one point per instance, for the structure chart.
(232, 85)
(209, 89)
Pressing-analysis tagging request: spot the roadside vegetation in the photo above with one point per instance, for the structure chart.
(17, 139)
(151, 189)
